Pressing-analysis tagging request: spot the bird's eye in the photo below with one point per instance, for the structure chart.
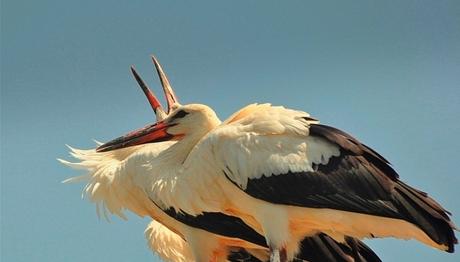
(179, 114)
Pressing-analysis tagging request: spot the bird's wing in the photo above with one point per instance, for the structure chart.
(283, 157)
(311, 171)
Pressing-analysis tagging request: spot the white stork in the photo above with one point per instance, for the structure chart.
(285, 175)
(113, 184)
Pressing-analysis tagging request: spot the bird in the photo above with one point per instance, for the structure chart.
(112, 183)
(285, 175)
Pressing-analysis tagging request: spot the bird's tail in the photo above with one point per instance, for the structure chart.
(421, 210)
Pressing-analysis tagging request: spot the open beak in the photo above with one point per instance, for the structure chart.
(171, 97)
(148, 134)
(154, 132)
(153, 100)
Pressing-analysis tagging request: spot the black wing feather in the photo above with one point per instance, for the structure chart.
(219, 224)
(321, 247)
(318, 248)
(358, 180)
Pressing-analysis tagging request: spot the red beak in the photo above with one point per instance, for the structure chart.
(151, 133)
(148, 134)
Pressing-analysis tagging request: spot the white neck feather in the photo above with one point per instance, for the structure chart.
(178, 153)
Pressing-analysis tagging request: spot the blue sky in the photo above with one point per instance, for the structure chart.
(388, 72)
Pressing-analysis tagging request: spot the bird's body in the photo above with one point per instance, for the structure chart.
(287, 177)
(115, 182)
(111, 185)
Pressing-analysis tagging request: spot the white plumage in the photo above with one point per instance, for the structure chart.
(111, 186)
(168, 245)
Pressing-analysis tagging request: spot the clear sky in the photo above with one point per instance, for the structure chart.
(388, 72)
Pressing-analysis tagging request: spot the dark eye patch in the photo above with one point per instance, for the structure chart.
(179, 114)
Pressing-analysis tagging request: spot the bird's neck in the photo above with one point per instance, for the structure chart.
(179, 152)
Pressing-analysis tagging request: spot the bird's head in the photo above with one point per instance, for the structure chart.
(190, 121)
